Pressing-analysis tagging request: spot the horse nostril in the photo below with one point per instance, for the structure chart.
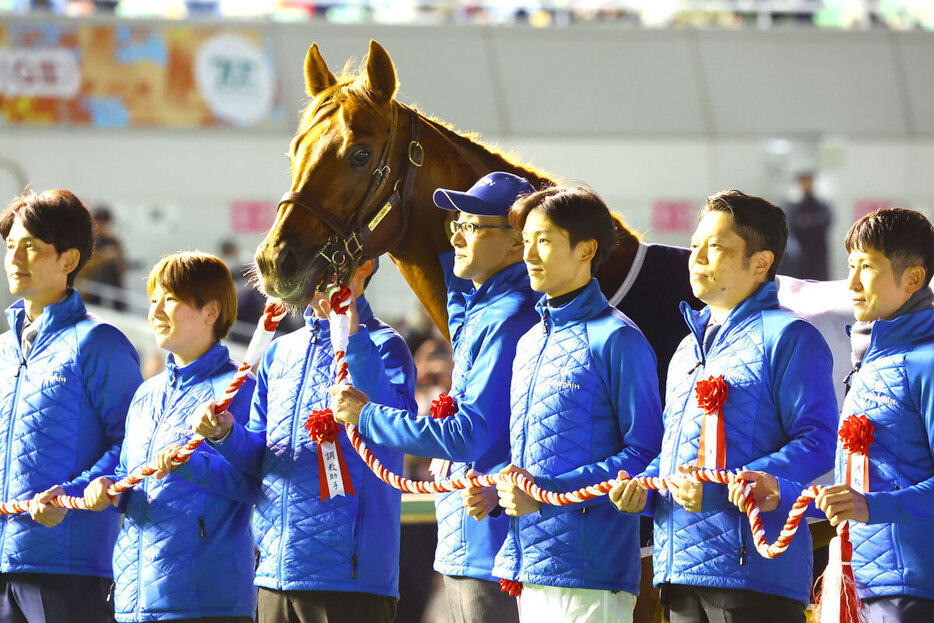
(286, 263)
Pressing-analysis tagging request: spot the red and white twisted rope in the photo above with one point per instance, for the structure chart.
(265, 329)
(340, 302)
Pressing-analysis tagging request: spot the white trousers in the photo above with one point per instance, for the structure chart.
(553, 604)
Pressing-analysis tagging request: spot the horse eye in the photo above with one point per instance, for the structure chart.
(359, 156)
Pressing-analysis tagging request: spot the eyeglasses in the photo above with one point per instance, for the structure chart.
(470, 228)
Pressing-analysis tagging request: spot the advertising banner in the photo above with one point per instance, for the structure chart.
(137, 76)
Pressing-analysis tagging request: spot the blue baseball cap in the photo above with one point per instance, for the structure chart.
(492, 195)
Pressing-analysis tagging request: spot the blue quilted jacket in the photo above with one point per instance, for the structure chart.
(485, 325)
(585, 404)
(61, 422)
(894, 388)
(345, 543)
(780, 416)
(185, 549)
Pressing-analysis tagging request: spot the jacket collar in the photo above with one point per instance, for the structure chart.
(509, 279)
(65, 313)
(204, 367)
(585, 305)
(911, 327)
(765, 297)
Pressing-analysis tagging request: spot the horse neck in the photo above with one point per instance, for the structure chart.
(451, 161)
(463, 161)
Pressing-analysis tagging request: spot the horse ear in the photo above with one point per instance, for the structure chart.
(380, 73)
(317, 75)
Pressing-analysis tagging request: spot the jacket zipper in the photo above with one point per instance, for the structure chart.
(671, 528)
(201, 526)
(145, 490)
(9, 444)
(312, 354)
(355, 539)
(514, 528)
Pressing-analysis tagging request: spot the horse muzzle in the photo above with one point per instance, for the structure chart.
(289, 274)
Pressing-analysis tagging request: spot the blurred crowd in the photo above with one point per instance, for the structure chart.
(844, 14)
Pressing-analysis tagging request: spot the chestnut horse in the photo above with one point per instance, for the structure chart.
(364, 168)
(355, 153)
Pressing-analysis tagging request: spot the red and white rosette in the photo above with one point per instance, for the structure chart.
(855, 438)
(333, 475)
(711, 396)
(838, 600)
(441, 407)
(332, 468)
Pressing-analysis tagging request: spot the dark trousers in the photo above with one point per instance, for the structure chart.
(697, 604)
(324, 607)
(55, 598)
(898, 609)
(478, 601)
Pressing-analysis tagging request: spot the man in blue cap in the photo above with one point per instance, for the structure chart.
(490, 306)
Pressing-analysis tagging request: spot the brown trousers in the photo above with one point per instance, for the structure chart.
(324, 607)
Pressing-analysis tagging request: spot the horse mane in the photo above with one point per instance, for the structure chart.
(471, 141)
(348, 89)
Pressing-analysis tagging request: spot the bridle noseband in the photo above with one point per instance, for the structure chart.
(344, 251)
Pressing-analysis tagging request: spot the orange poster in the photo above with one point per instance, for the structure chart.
(117, 76)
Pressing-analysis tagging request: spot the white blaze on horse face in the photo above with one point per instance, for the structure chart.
(722, 276)
(480, 255)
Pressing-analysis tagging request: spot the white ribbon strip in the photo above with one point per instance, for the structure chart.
(711, 440)
(440, 468)
(332, 469)
(340, 331)
(832, 585)
(857, 472)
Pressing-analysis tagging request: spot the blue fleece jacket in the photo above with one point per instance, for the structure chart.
(62, 412)
(894, 388)
(585, 404)
(345, 543)
(485, 324)
(185, 549)
(779, 417)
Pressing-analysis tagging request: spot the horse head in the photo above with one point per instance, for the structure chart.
(351, 173)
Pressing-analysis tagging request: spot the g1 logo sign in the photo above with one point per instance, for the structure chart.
(234, 78)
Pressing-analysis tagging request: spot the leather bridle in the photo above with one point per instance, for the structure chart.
(344, 251)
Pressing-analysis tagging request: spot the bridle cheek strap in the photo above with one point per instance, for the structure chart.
(345, 250)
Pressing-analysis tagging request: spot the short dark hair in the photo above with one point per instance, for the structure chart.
(905, 237)
(759, 223)
(196, 279)
(56, 217)
(579, 211)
